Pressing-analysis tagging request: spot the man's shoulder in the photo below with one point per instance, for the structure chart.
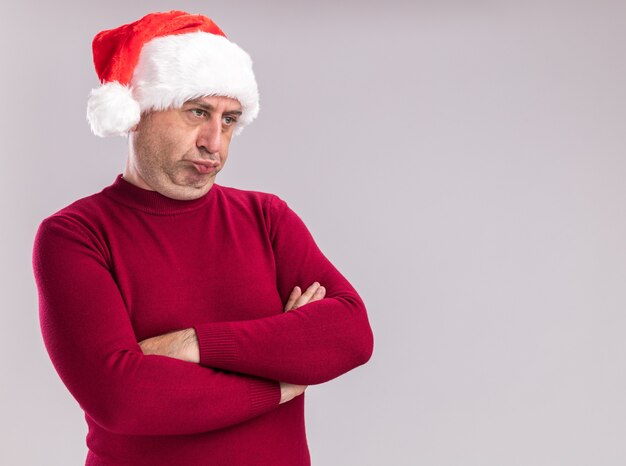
(264, 199)
(82, 210)
(241, 193)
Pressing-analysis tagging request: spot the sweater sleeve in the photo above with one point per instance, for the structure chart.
(88, 335)
(309, 345)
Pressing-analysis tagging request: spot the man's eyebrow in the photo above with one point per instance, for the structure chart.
(210, 107)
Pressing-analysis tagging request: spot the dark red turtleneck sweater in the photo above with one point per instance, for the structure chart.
(126, 264)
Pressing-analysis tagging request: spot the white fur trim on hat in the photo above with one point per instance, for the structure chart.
(176, 68)
(111, 110)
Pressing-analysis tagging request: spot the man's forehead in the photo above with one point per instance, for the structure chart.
(211, 102)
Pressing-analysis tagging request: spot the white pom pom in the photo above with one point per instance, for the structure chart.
(111, 110)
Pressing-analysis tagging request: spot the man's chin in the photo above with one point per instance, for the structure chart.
(191, 189)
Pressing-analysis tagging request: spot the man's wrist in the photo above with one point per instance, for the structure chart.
(190, 347)
(181, 344)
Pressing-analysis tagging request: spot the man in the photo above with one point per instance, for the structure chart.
(187, 318)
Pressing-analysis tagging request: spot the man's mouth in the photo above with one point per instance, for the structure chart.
(205, 166)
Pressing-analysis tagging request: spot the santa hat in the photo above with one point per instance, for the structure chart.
(161, 61)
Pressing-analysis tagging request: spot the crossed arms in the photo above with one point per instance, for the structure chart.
(183, 344)
(92, 344)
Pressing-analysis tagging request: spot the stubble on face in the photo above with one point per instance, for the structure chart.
(162, 150)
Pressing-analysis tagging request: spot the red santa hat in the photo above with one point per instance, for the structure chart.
(161, 61)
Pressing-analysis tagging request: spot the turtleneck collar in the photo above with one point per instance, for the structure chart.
(153, 202)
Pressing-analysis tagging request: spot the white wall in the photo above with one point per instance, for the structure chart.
(462, 163)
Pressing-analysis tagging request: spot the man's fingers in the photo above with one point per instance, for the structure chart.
(315, 292)
(295, 294)
(307, 295)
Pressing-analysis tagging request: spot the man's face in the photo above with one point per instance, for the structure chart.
(178, 152)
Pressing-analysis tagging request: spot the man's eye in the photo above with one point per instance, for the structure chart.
(230, 120)
(197, 112)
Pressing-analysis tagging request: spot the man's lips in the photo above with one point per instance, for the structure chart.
(205, 166)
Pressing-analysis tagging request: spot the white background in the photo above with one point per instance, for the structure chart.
(461, 163)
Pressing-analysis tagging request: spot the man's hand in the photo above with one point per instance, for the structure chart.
(296, 299)
(315, 292)
(289, 391)
(182, 344)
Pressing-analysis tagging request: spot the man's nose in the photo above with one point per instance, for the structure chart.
(210, 136)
